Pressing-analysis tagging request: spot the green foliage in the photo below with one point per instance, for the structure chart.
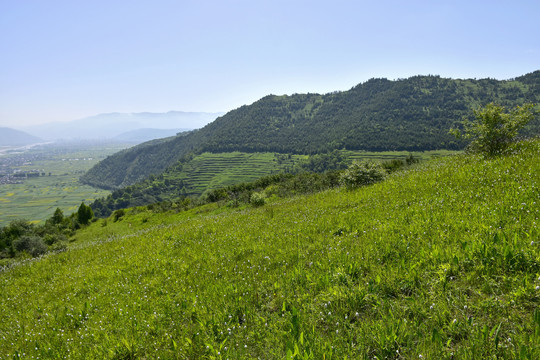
(441, 260)
(194, 176)
(21, 237)
(320, 163)
(279, 185)
(33, 245)
(362, 173)
(118, 214)
(58, 216)
(257, 199)
(412, 114)
(84, 214)
(225, 177)
(493, 129)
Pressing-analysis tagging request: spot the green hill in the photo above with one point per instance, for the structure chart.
(438, 262)
(412, 114)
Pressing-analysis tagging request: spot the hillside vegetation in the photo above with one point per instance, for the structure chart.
(440, 261)
(196, 177)
(412, 114)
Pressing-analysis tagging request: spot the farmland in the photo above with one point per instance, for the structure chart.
(57, 185)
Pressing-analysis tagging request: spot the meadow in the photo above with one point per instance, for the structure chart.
(38, 197)
(441, 261)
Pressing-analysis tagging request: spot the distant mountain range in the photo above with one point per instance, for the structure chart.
(141, 135)
(413, 114)
(110, 126)
(12, 137)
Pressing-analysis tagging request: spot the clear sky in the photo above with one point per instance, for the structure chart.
(64, 60)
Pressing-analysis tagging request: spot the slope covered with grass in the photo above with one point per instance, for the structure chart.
(441, 261)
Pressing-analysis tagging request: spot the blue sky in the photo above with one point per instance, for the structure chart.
(64, 60)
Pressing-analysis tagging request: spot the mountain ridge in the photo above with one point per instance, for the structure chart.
(413, 114)
(14, 137)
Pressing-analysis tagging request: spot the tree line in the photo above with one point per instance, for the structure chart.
(22, 239)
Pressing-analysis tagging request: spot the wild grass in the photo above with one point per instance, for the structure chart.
(438, 262)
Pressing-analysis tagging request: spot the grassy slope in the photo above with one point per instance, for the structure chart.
(439, 261)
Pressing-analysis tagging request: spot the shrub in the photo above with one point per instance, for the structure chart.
(33, 245)
(118, 214)
(362, 173)
(51, 239)
(257, 199)
(393, 165)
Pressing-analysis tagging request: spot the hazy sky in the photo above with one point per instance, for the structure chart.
(64, 60)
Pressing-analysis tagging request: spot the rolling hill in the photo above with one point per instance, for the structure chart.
(411, 114)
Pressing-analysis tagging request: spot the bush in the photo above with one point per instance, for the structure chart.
(362, 173)
(50, 239)
(257, 199)
(118, 214)
(33, 245)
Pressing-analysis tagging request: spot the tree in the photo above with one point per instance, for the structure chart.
(84, 214)
(493, 129)
(58, 216)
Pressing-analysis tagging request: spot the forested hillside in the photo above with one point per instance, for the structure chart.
(407, 114)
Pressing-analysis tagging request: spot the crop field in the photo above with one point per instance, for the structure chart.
(37, 198)
(440, 261)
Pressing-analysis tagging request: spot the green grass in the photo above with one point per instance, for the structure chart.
(391, 155)
(439, 262)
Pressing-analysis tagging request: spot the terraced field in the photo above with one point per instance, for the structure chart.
(210, 171)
